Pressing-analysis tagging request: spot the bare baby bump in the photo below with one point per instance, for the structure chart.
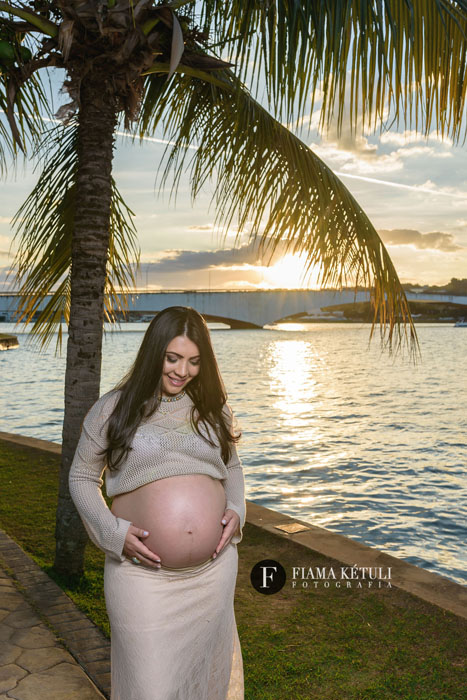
(182, 514)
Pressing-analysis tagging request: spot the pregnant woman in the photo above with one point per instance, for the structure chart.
(164, 437)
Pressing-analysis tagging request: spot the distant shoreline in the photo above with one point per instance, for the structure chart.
(322, 321)
(359, 321)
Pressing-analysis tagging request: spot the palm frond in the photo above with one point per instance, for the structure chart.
(23, 96)
(40, 23)
(44, 227)
(405, 56)
(31, 105)
(262, 170)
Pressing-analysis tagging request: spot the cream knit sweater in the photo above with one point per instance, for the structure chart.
(164, 445)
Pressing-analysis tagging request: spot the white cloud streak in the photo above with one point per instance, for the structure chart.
(416, 188)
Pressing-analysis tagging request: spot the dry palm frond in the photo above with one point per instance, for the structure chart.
(263, 170)
(44, 226)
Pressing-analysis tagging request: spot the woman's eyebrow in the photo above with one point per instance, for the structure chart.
(171, 352)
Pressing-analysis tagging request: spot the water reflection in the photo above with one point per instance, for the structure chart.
(291, 371)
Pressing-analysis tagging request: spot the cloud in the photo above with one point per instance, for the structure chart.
(200, 227)
(357, 155)
(311, 120)
(417, 151)
(351, 151)
(5, 278)
(406, 137)
(446, 189)
(7, 249)
(436, 240)
(179, 260)
(144, 217)
(359, 159)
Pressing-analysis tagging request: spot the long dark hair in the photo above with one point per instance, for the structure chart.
(141, 387)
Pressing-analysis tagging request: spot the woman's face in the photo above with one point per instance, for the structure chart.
(181, 365)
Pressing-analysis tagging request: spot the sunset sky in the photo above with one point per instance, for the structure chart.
(414, 191)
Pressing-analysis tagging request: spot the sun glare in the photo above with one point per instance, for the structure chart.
(289, 271)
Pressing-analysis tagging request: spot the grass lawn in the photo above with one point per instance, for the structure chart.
(331, 644)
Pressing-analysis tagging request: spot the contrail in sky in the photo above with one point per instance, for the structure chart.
(417, 188)
(388, 183)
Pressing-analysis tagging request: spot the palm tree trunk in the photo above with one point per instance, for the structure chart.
(97, 122)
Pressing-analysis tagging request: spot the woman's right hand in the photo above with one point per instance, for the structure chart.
(134, 547)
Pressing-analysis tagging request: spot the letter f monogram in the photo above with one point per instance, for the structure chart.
(267, 576)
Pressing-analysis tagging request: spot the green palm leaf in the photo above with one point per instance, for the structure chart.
(44, 226)
(30, 106)
(409, 55)
(262, 170)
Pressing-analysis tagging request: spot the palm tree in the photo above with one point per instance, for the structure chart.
(157, 65)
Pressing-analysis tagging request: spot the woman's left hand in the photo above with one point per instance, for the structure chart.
(231, 521)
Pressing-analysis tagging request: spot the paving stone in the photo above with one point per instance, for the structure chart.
(30, 579)
(19, 567)
(46, 584)
(9, 653)
(5, 590)
(95, 667)
(9, 676)
(57, 608)
(46, 597)
(89, 639)
(35, 660)
(11, 601)
(22, 618)
(99, 654)
(64, 626)
(33, 638)
(103, 681)
(6, 633)
(73, 616)
(6, 584)
(33, 572)
(63, 682)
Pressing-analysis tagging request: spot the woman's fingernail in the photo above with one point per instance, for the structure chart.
(224, 520)
(145, 532)
(214, 555)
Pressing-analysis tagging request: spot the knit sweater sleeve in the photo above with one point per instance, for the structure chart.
(85, 482)
(234, 484)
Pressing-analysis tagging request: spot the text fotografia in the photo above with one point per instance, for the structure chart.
(341, 577)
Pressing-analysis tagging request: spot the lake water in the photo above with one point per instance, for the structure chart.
(342, 436)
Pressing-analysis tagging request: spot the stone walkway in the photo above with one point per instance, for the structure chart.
(33, 664)
(35, 617)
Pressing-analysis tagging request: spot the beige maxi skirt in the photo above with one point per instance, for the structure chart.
(173, 631)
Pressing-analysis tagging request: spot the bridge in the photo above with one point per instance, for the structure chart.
(241, 309)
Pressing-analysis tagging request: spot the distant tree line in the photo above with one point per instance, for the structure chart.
(455, 287)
